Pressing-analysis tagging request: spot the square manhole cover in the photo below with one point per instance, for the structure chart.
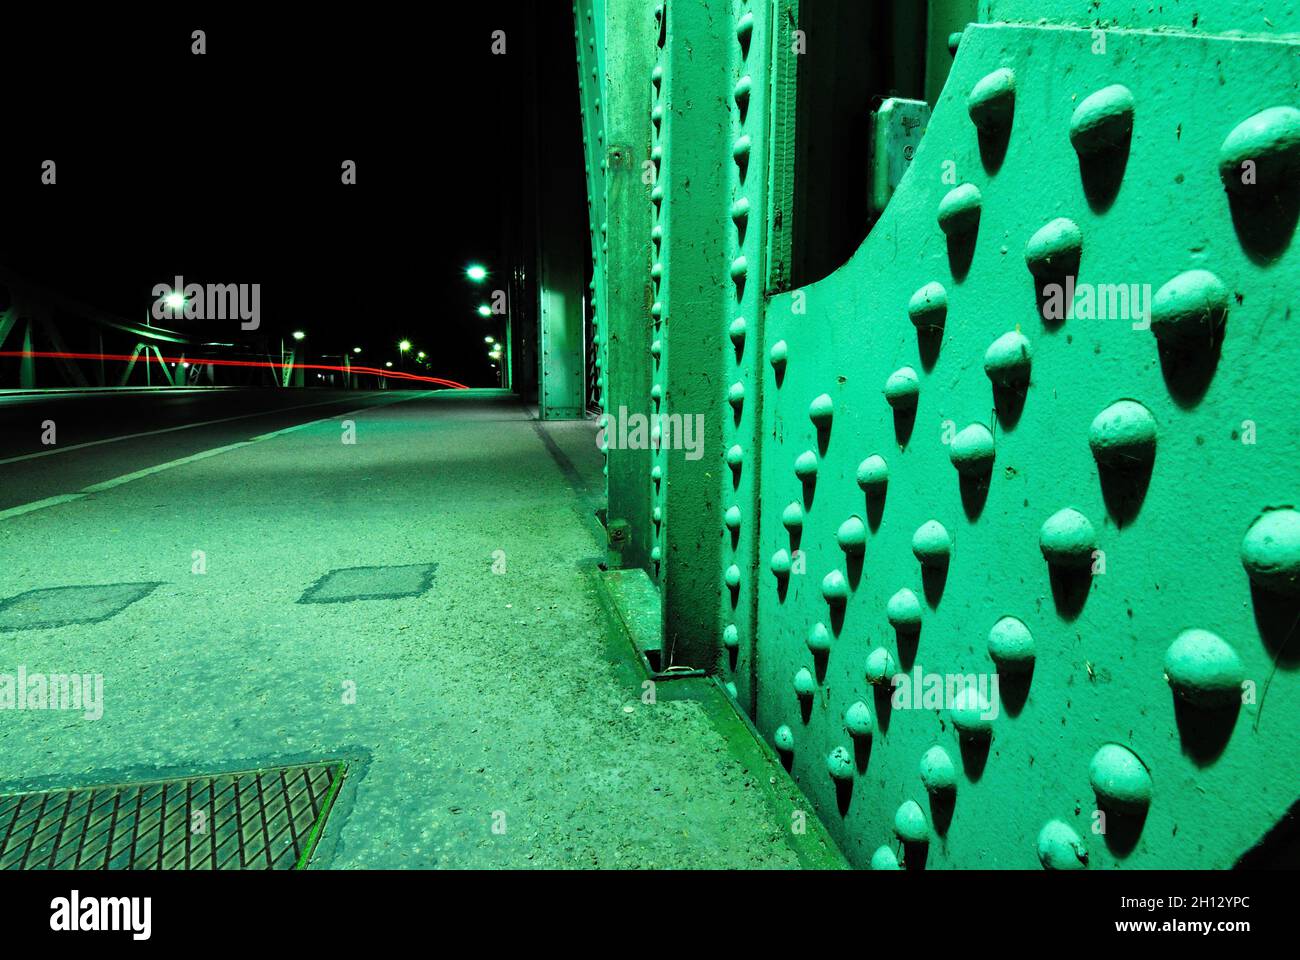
(64, 606)
(371, 583)
(258, 820)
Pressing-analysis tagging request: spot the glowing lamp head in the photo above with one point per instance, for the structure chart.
(174, 300)
(404, 346)
(476, 272)
(298, 335)
(484, 310)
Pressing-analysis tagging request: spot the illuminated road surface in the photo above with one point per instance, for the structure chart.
(487, 721)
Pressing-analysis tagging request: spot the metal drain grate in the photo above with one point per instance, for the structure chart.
(257, 820)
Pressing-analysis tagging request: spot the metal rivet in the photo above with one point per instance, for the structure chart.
(910, 824)
(804, 684)
(741, 92)
(1120, 780)
(884, 859)
(739, 267)
(959, 210)
(938, 775)
(736, 394)
(781, 563)
(835, 589)
(735, 456)
(932, 545)
(880, 667)
(732, 576)
(819, 638)
(805, 465)
(902, 388)
(783, 739)
(1007, 360)
(971, 713)
(1189, 308)
(737, 331)
(792, 516)
(1270, 551)
(857, 719)
(731, 637)
(1270, 140)
(1055, 249)
(1123, 435)
(740, 210)
(1067, 539)
(1059, 847)
(1102, 120)
(821, 411)
(991, 102)
(839, 764)
(1011, 645)
(732, 517)
(1203, 669)
(852, 536)
(778, 355)
(928, 307)
(971, 451)
(873, 474)
(904, 612)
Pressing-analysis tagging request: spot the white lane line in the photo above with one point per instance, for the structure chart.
(154, 433)
(150, 471)
(38, 504)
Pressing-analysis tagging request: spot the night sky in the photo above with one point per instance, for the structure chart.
(225, 168)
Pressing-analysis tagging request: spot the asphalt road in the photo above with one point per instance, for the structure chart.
(100, 435)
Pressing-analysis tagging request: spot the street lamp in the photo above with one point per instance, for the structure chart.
(484, 310)
(476, 272)
(298, 335)
(356, 349)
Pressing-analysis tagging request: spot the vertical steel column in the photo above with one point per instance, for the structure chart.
(694, 295)
(561, 313)
(624, 283)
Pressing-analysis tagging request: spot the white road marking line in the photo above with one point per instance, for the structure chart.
(154, 433)
(203, 455)
(39, 504)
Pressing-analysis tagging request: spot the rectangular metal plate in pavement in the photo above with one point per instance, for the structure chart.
(257, 820)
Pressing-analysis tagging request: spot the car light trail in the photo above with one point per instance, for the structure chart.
(265, 364)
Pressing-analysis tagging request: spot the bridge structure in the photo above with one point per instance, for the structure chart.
(894, 466)
(992, 530)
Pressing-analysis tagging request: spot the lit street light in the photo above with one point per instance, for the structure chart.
(484, 310)
(298, 335)
(476, 272)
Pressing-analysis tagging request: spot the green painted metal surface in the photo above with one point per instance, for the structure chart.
(926, 467)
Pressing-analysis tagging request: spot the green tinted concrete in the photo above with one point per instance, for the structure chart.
(495, 697)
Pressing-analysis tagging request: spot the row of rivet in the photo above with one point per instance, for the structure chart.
(659, 136)
(738, 427)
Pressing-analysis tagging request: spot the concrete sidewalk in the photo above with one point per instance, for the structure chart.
(491, 698)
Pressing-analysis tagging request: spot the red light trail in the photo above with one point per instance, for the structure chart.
(126, 358)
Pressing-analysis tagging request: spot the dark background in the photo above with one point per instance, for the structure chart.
(225, 168)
